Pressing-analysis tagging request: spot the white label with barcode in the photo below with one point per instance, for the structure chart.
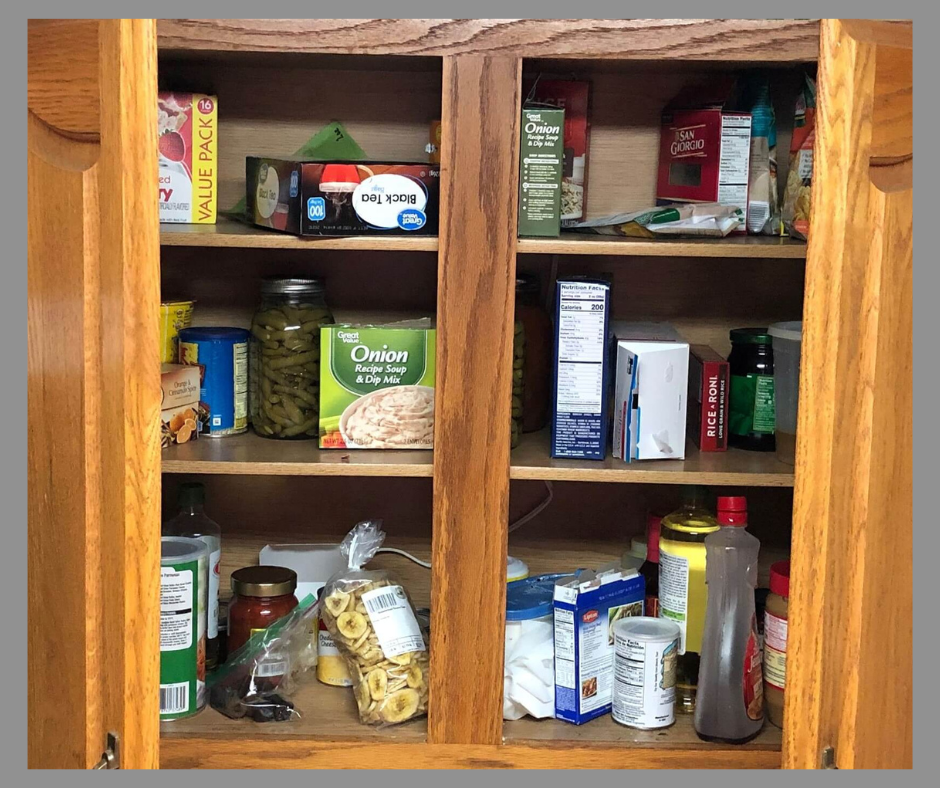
(271, 668)
(394, 620)
(174, 698)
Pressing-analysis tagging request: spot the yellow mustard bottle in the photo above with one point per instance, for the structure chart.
(683, 595)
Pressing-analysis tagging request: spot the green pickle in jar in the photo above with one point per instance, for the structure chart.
(518, 384)
(284, 358)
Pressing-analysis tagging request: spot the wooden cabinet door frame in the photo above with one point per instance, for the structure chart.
(94, 392)
(849, 681)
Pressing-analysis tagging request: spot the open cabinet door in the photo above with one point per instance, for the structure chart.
(94, 393)
(849, 682)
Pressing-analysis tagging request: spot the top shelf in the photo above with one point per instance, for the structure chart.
(739, 246)
(721, 40)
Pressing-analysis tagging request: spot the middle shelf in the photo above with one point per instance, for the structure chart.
(251, 455)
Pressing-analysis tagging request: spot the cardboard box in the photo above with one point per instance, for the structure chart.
(179, 409)
(343, 197)
(709, 385)
(187, 145)
(586, 606)
(705, 149)
(541, 158)
(377, 385)
(650, 400)
(581, 371)
(573, 97)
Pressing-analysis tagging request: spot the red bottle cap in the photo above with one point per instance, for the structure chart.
(732, 510)
(653, 523)
(780, 578)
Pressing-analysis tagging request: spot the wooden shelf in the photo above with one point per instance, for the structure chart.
(530, 460)
(604, 731)
(747, 246)
(251, 455)
(231, 234)
(327, 714)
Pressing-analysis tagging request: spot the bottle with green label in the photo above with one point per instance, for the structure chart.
(751, 404)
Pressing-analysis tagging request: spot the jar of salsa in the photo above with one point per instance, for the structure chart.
(262, 595)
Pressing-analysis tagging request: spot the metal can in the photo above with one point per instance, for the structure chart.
(645, 654)
(182, 626)
(331, 667)
(222, 357)
(174, 316)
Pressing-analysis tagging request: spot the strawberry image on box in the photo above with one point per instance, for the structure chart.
(705, 149)
(187, 144)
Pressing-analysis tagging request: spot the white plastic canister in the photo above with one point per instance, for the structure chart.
(645, 654)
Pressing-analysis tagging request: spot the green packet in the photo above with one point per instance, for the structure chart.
(333, 141)
(377, 385)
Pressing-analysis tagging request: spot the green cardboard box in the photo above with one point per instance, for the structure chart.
(377, 385)
(541, 163)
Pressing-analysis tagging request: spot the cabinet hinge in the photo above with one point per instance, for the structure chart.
(828, 759)
(111, 757)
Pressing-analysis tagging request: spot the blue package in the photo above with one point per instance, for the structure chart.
(222, 356)
(585, 609)
(581, 371)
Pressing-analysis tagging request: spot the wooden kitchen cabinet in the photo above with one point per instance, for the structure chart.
(98, 261)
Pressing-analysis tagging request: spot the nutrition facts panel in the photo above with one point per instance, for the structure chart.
(581, 347)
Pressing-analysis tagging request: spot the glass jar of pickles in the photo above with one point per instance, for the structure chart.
(284, 358)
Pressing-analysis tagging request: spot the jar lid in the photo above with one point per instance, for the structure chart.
(530, 598)
(276, 285)
(516, 569)
(732, 510)
(264, 581)
(750, 336)
(780, 578)
(647, 628)
(213, 334)
(791, 330)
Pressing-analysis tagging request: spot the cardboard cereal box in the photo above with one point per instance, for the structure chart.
(187, 142)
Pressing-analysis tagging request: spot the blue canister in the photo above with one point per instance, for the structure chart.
(222, 357)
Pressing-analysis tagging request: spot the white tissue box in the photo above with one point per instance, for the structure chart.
(650, 400)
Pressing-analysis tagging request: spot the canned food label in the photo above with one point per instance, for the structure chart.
(775, 650)
(644, 682)
(673, 591)
(182, 639)
(240, 363)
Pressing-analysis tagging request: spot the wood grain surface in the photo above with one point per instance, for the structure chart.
(849, 676)
(94, 400)
(476, 291)
(749, 246)
(255, 751)
(760, 40)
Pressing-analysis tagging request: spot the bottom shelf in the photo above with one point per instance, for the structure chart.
(604, 731)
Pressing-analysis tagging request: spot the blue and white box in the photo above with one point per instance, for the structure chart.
(586, 607)
(581, 371)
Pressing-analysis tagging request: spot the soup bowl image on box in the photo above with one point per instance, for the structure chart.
(377, 385)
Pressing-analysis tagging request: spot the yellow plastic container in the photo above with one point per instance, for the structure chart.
(174, 315)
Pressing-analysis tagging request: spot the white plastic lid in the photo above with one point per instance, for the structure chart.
(516, 569)
(791, 330)
(647, 628)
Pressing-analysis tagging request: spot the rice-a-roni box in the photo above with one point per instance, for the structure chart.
(377, 385)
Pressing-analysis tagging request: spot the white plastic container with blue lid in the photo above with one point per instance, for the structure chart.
(529, 670)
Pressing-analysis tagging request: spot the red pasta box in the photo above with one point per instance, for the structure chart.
(573, 98)
(704, 149)
(709, 383)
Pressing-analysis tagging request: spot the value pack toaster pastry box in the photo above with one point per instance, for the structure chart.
(343, 197)
(187, 146)
(705, 148)
(586, 607)
(709, 384)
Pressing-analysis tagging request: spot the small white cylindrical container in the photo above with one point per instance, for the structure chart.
(645, 652)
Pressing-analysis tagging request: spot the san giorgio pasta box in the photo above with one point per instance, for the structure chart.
(377, 384)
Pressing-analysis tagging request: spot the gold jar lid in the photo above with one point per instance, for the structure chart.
(264, 581)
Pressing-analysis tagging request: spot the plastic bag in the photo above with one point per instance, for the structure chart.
(373, 624)
(709, 219)
(257, 680)
(797, 204)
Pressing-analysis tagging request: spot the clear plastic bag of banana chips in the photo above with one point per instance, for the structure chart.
(373, 624)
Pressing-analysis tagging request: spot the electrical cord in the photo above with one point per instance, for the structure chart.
(537, 510)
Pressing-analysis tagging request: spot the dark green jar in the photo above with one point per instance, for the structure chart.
(751, 404)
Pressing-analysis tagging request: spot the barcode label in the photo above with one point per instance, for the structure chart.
(266, 669)
(383, 600)
(174, 698)
(393, 620)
